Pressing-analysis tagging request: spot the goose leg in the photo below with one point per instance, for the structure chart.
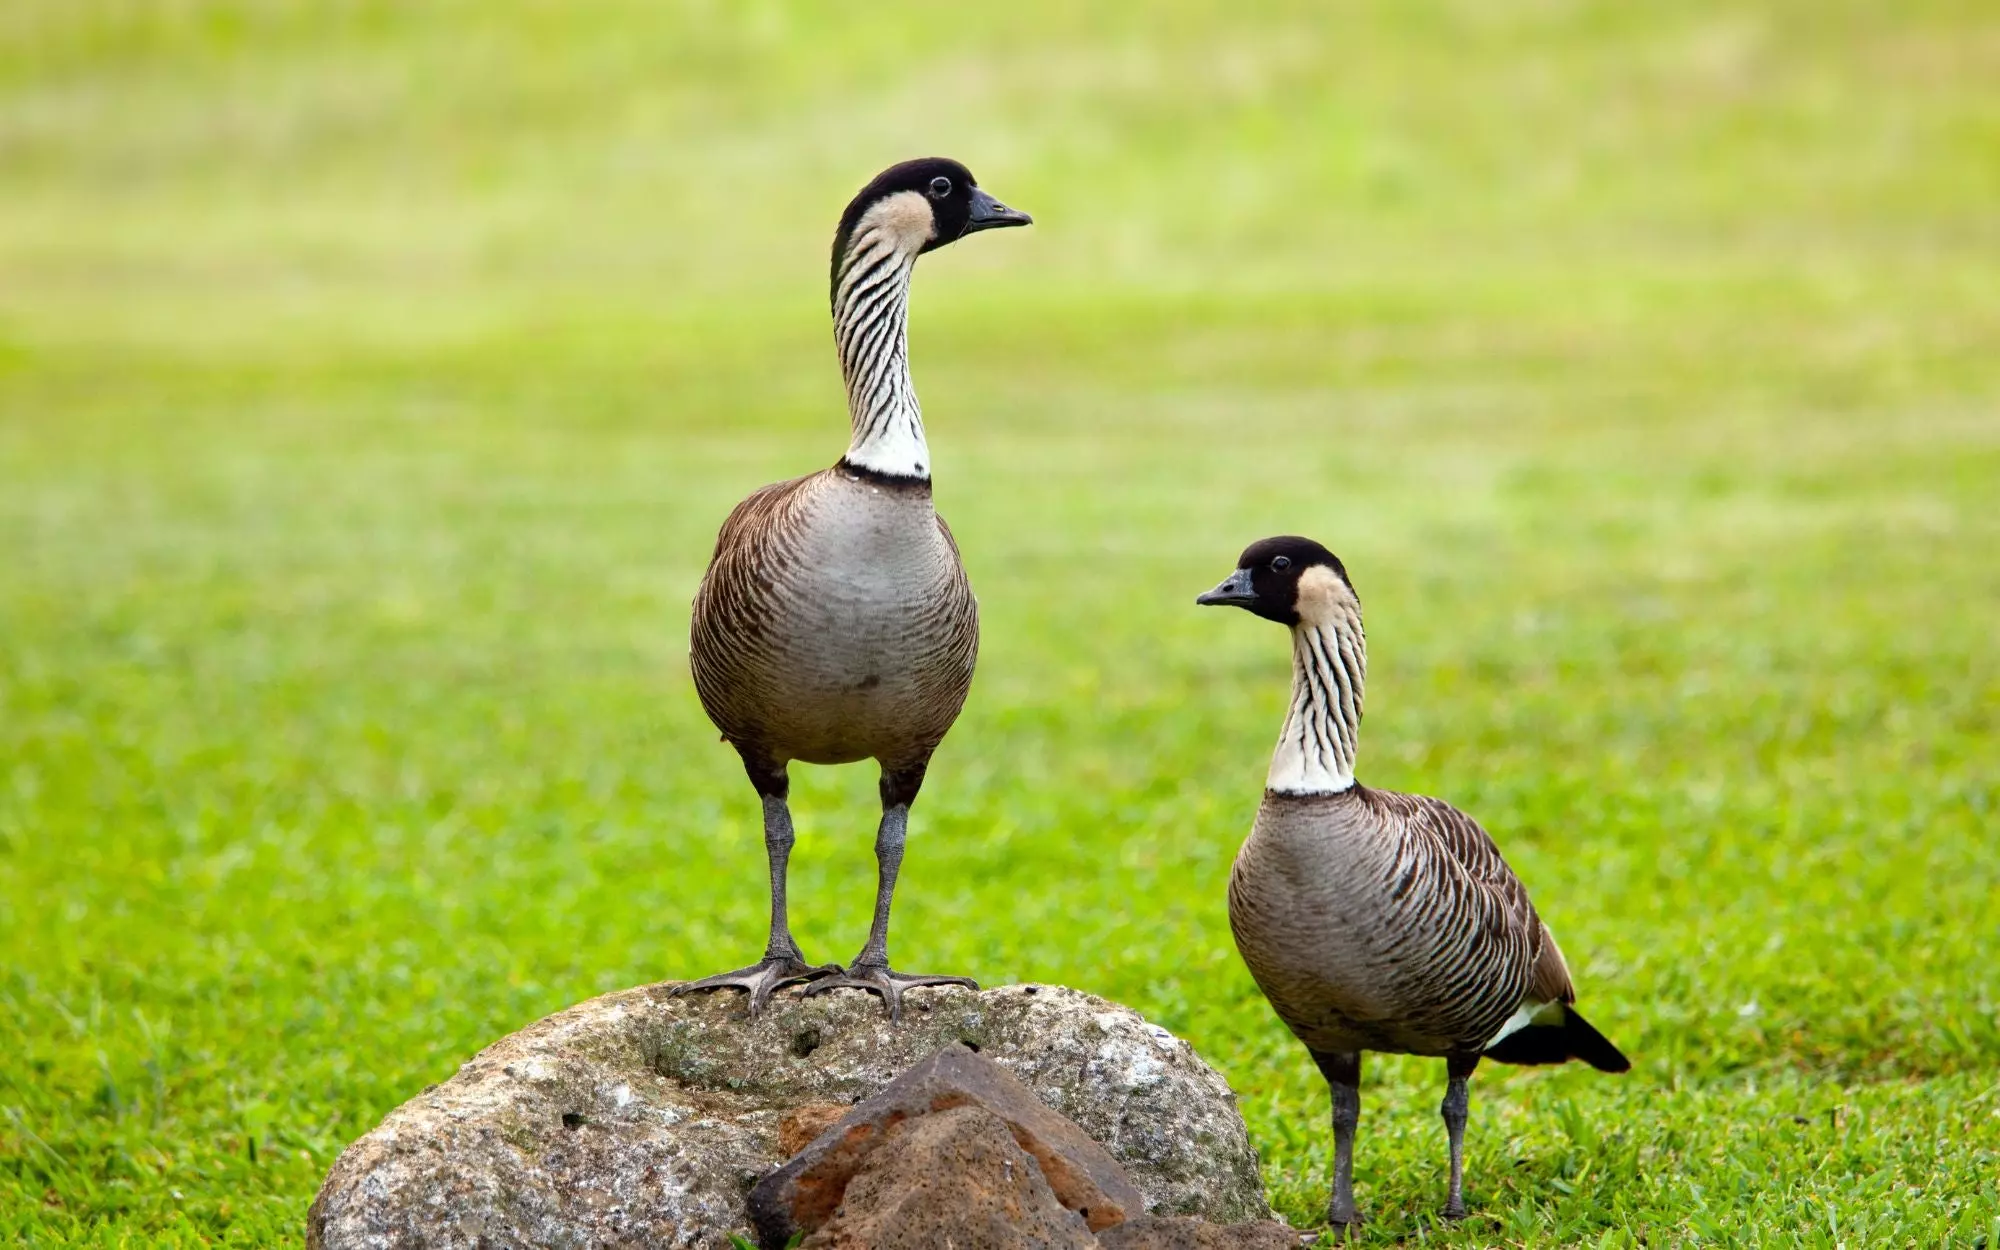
(870, 970)
(783, 962)
(1342, 1070)
(1456, 1099)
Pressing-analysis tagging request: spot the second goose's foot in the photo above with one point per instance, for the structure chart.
(761, 980)
(880, 979)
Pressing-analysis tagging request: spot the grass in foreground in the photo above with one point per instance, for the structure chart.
(371, 389)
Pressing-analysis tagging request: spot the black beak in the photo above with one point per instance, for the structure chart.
(990, 214)
(1235, 592)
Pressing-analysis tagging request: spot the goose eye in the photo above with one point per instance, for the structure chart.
(1280, 563)
(940, 187)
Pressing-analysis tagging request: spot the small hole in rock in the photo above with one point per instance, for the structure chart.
(805, 1042)
(1029, 989)
(572, 1119)
(970, 1044)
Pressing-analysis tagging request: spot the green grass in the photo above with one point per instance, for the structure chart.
(372, 384)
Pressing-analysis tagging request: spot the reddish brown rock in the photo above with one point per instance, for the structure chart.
(801, 1124)
(1160, 1232)
(953, 1178)
(804, 1193)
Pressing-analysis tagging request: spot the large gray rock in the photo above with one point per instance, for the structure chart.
(639, 1118)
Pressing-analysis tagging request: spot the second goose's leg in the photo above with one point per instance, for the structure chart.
(870, 969)
(1342, 1070)
(783, 962)
(1458, 1068)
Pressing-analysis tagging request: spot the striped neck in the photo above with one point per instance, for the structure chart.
(871, 300)
(1316, 748)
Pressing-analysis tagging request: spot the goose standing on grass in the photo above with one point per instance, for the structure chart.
(1374, 920)
(835, 622)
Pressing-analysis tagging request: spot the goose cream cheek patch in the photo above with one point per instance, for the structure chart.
(904, 219)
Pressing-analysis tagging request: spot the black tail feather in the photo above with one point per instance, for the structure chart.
(1574, 1038)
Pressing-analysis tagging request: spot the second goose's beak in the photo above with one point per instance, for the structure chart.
(1235, 591)
(990, 214)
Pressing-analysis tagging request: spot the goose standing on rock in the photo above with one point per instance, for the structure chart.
(835, 622)
(1374, 920)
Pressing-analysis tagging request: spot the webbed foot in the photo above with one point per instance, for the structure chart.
(879, 979)
(761, 980)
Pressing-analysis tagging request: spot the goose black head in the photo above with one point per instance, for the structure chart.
(921, 205)
(1286, 579)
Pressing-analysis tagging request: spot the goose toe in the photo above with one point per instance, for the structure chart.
(761, 980)
(881, 979)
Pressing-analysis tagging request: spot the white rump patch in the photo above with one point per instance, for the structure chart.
(1530, 1012)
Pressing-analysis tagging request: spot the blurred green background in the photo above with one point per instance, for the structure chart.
(373, 378)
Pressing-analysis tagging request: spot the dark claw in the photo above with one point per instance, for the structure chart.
(878, 979)
(761, 980)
